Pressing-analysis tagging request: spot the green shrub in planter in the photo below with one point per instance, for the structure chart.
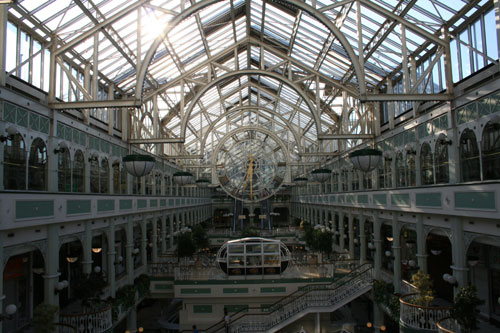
(465, 308)
(43, 318)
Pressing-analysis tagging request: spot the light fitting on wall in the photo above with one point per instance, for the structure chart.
(61, 148)
(412, 263)
(445, 140)
(388, 253)
(118, 260)
(371, 246)
(11, 133)
(389, 238)
(435, 252)
(97, 249)
(71, 260)
(472, 261)
(9, 310)
(97, 269)
(410, 149)
(381, 327)
(450, 279)
(135, 251)
(60, 286)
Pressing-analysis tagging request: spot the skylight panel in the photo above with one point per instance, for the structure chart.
(48, 12)
(212, 12)
(221, 40)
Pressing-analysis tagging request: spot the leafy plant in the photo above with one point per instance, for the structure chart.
(423, 283)
(200, 237)
(249, 232)
(465, 308)
(141, 284)
(89, 288)
(185, 245)
(125, 296)
(383, 293)
(43, 317)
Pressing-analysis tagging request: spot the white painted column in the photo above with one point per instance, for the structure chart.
(144, 242)
(164, 234)
(3, 46)
(171, 230)
(459, 266)
(87, 248)
(342, 231)
(377, 240)
(51, 277)
(352, 254)
(154, 236)
(362, 240)
(421, 254)
(317, 326)
(396, 249)
(111, 258)
(128, 252)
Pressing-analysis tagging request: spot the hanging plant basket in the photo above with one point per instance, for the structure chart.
(139, 165)
(366, 159)
(202, 183)
(321, 175)
(183, 178)
(300, 181)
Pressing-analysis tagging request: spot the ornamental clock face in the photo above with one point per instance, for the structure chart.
(251, 166)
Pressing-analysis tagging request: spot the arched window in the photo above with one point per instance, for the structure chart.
(94, 175)
(123, 181)
(64, 171)
(104, 176)
(79, 172)
(469, 157)
(388, 172)
(14, 164)
(345, 179)
(426, 165)
(149, 184)
(355, 180)
(400, 171)
(442, 170)
(37, 168)
(410, 168)
(116, 178)
(491, 152)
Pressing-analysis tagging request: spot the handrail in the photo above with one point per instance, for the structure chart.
(427, 307)
(310, 288)
(423, 318)
(441, 323)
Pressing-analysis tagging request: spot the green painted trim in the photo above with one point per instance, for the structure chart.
(231, 308)
(428, 199)
(380, 199)
(402, 199)
(196, 291)
(142, 203)
(235, 291)
(125, 204)
(163, 202)
(153, 203)
(273, 289)
(78, 207)
(475, 200)
(206, 308)
(164, 287)
(162, 278)
(363, 199)
(260, 281)
(34, 208)
(105, 205)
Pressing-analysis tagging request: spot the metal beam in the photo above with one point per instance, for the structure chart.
(117, 103)
(409, 97)
(321, 153)
(156, 140)
(345, 136)
(183, 157)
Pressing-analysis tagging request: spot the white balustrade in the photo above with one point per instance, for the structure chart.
(423, 318)
(96, 322)
(448, 325)
(312, 296)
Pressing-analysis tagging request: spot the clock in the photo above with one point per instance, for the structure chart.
(250, 165)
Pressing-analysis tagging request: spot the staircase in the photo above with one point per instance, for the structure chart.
(309, 299)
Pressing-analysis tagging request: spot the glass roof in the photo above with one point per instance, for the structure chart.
(245, 35)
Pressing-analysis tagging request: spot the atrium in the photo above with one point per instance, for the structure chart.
(198, 155)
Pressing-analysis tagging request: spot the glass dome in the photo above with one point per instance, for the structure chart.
(253, 256)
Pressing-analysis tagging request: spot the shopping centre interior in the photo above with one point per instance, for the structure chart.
(300, 165)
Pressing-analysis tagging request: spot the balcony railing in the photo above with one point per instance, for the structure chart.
(96, 322)
(447, 325)
(422, 318)
(65, 328)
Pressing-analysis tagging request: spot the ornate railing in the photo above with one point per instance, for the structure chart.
(95, 322)
(310, 297)
(65, 328)
(423, 318)
(447, 325)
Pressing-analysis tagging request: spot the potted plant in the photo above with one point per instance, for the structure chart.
(43, 317)
(465, 308)
(88, 290)
(423, 283)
